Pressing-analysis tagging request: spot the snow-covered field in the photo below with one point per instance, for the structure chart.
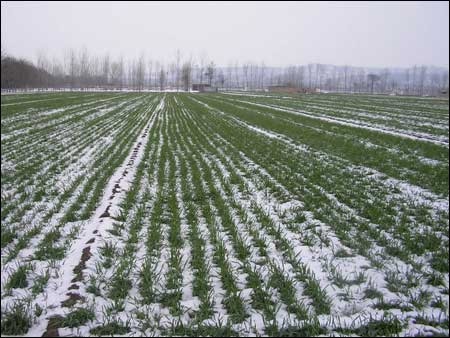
(148, 214)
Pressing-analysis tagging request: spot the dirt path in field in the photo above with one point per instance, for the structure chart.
(71, 287)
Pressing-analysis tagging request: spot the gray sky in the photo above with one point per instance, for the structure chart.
(391, 34)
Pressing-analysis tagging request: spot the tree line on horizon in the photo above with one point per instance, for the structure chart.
(81, 70)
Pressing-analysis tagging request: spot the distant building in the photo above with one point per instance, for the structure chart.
(288, 89)
(203, 88)
(282, 89)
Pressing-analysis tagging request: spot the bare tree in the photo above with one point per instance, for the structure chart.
(414, 79)
(94, 75)
(271, 77)
(407, 84)
(236, 71)
(262, 73)
(351, 78)
(178, 57)
(210, 71)
(81, 69)
(422, 76)
(393, 85)
(310, 69)
(57, 73)
(289, 76)
(115, 74)
(254, 75)
(84, 68)
(43, 64)
(384, 80)
(162, 79)
(157, 73)
(172, 70)
(251, 75)
(434, 83)
(346, 69)
(105, 70)
(360, 77)
(121, 72)
(150, 66)
(72, 66)
(132, 74)
(186, 72)
(300, 76)
(221, 79)
(229, 75)
(372, 78)
(245, 69)
(318, 70)
(334, 78)
(444, 81)
(321, 70)
(140, 72)
(202, 67)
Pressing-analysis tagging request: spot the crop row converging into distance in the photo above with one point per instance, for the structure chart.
(224, 214)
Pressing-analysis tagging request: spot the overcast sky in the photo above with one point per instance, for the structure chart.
(381, 34)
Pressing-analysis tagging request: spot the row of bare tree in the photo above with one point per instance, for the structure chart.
(417, 80)
(83, 70)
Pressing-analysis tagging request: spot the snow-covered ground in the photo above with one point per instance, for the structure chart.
(164, 214)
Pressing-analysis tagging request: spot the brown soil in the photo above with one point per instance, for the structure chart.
(54, 323)
(73, 298)
(78, 270)
(74, 287)
(106, 213)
